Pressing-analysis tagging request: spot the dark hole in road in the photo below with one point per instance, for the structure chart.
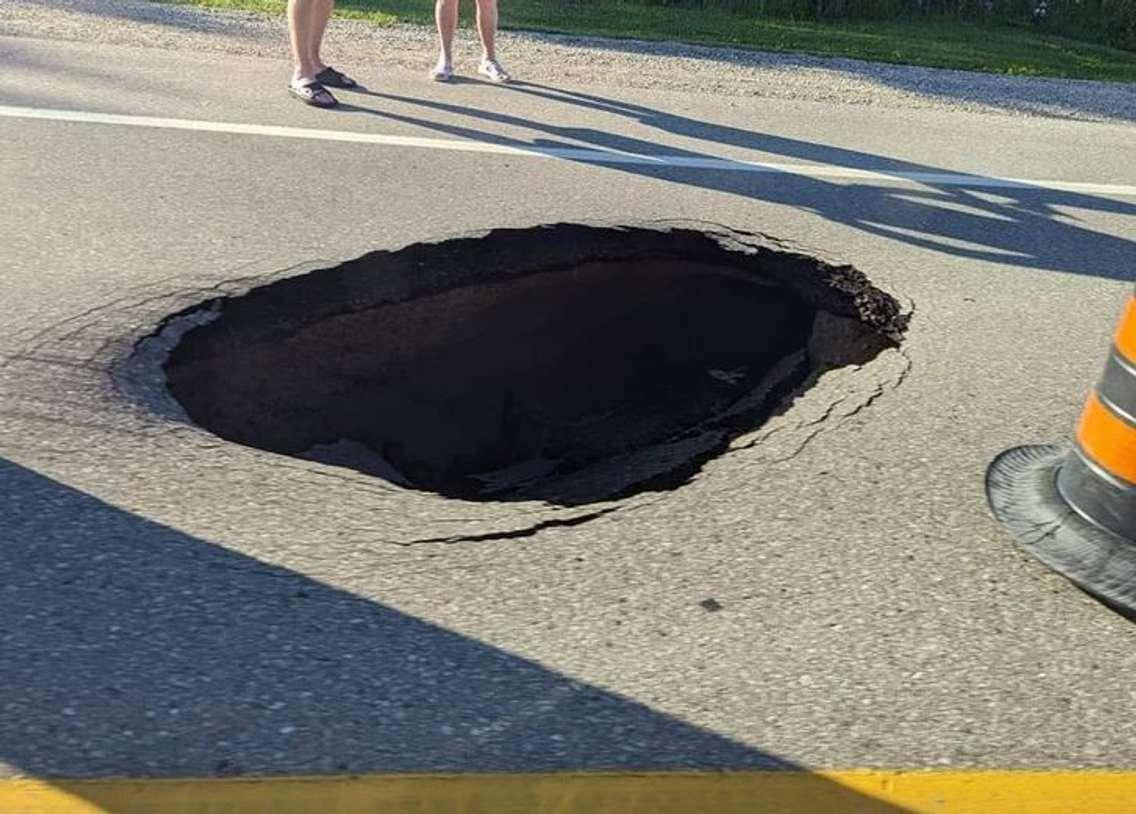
(563, 363)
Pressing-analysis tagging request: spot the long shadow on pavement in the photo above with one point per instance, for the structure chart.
(1020, 226)
(130, 648)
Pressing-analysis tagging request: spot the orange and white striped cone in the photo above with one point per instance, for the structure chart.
(1075, 509)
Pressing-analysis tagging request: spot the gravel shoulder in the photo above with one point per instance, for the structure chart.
(724, 72)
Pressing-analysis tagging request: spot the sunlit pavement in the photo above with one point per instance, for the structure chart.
(176, 605)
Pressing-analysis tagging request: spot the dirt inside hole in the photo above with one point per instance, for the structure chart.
(621, 362)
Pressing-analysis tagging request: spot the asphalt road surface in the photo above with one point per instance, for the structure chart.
(173, 604)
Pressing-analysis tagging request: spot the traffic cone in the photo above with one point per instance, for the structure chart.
(1075, 509)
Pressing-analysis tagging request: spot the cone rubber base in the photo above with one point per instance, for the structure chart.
(1021, 485)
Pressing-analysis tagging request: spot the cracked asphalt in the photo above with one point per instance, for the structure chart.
(831, 593)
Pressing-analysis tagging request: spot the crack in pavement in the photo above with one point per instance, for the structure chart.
(515, 534)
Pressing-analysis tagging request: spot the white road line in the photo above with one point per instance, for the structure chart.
(593, 156)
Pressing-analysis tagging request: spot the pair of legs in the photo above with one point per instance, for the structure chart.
(446, 16)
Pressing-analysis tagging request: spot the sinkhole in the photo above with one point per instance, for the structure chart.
(564, 363)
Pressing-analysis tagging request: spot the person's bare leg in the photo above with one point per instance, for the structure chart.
(446, 18)
(300, 30)
(487, 28)
(300, 34)
(321, 13)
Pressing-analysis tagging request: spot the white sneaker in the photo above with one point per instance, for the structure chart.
(492, 69)
(443, 72)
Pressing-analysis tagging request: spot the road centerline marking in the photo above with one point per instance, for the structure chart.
(679, 792)
(581, 154)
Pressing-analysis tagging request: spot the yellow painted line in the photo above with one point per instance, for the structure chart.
(836, 792)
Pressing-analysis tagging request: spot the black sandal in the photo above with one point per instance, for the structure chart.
(336, 79)
(314, 94)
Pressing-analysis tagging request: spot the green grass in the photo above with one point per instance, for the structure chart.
(942, 43)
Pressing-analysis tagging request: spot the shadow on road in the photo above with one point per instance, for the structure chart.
(132, 648)
(1019, 226)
